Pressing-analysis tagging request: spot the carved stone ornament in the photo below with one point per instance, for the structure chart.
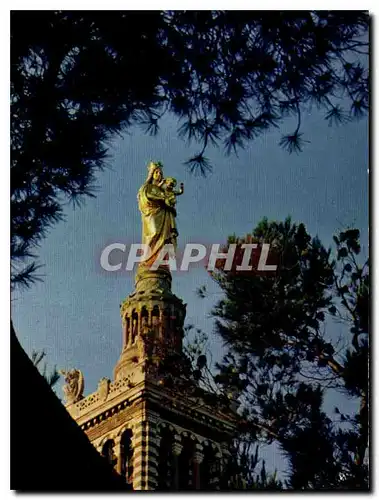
(103, 389)
(74, 387)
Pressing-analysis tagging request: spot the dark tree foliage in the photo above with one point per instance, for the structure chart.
(79, 77)
(281, 359)
(51, 378)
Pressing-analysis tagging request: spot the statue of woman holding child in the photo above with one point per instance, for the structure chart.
(156, 201)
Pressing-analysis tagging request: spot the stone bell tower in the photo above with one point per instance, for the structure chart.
(151, 422)
(152, 318)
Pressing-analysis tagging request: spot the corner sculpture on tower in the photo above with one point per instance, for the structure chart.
(151, 422)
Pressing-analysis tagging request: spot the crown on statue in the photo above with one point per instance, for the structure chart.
(153, 165)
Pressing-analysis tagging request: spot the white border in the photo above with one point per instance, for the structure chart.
(4, 198)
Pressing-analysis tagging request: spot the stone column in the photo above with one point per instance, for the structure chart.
(152, 450)
(137, 445)
(197, 459)
(146, 453)
(162, 333)
(134, 329)
(124, 333)
(144, 324)
(217, 470)
(117, 450)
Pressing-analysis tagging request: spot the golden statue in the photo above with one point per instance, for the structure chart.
(157, 207)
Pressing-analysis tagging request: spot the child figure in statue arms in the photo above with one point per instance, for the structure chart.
(171, 194)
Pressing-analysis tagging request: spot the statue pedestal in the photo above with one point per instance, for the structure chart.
(158, 281)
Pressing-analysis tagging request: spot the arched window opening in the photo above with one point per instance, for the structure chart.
(167, 330)
(155, 320)
(126, 331)
(186, 466)
(144, 320)
(108, 452)
(127, 456)
(166, 472)
(209, 469)
(134, 326)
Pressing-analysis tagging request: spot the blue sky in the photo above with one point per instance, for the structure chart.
(74, 313)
